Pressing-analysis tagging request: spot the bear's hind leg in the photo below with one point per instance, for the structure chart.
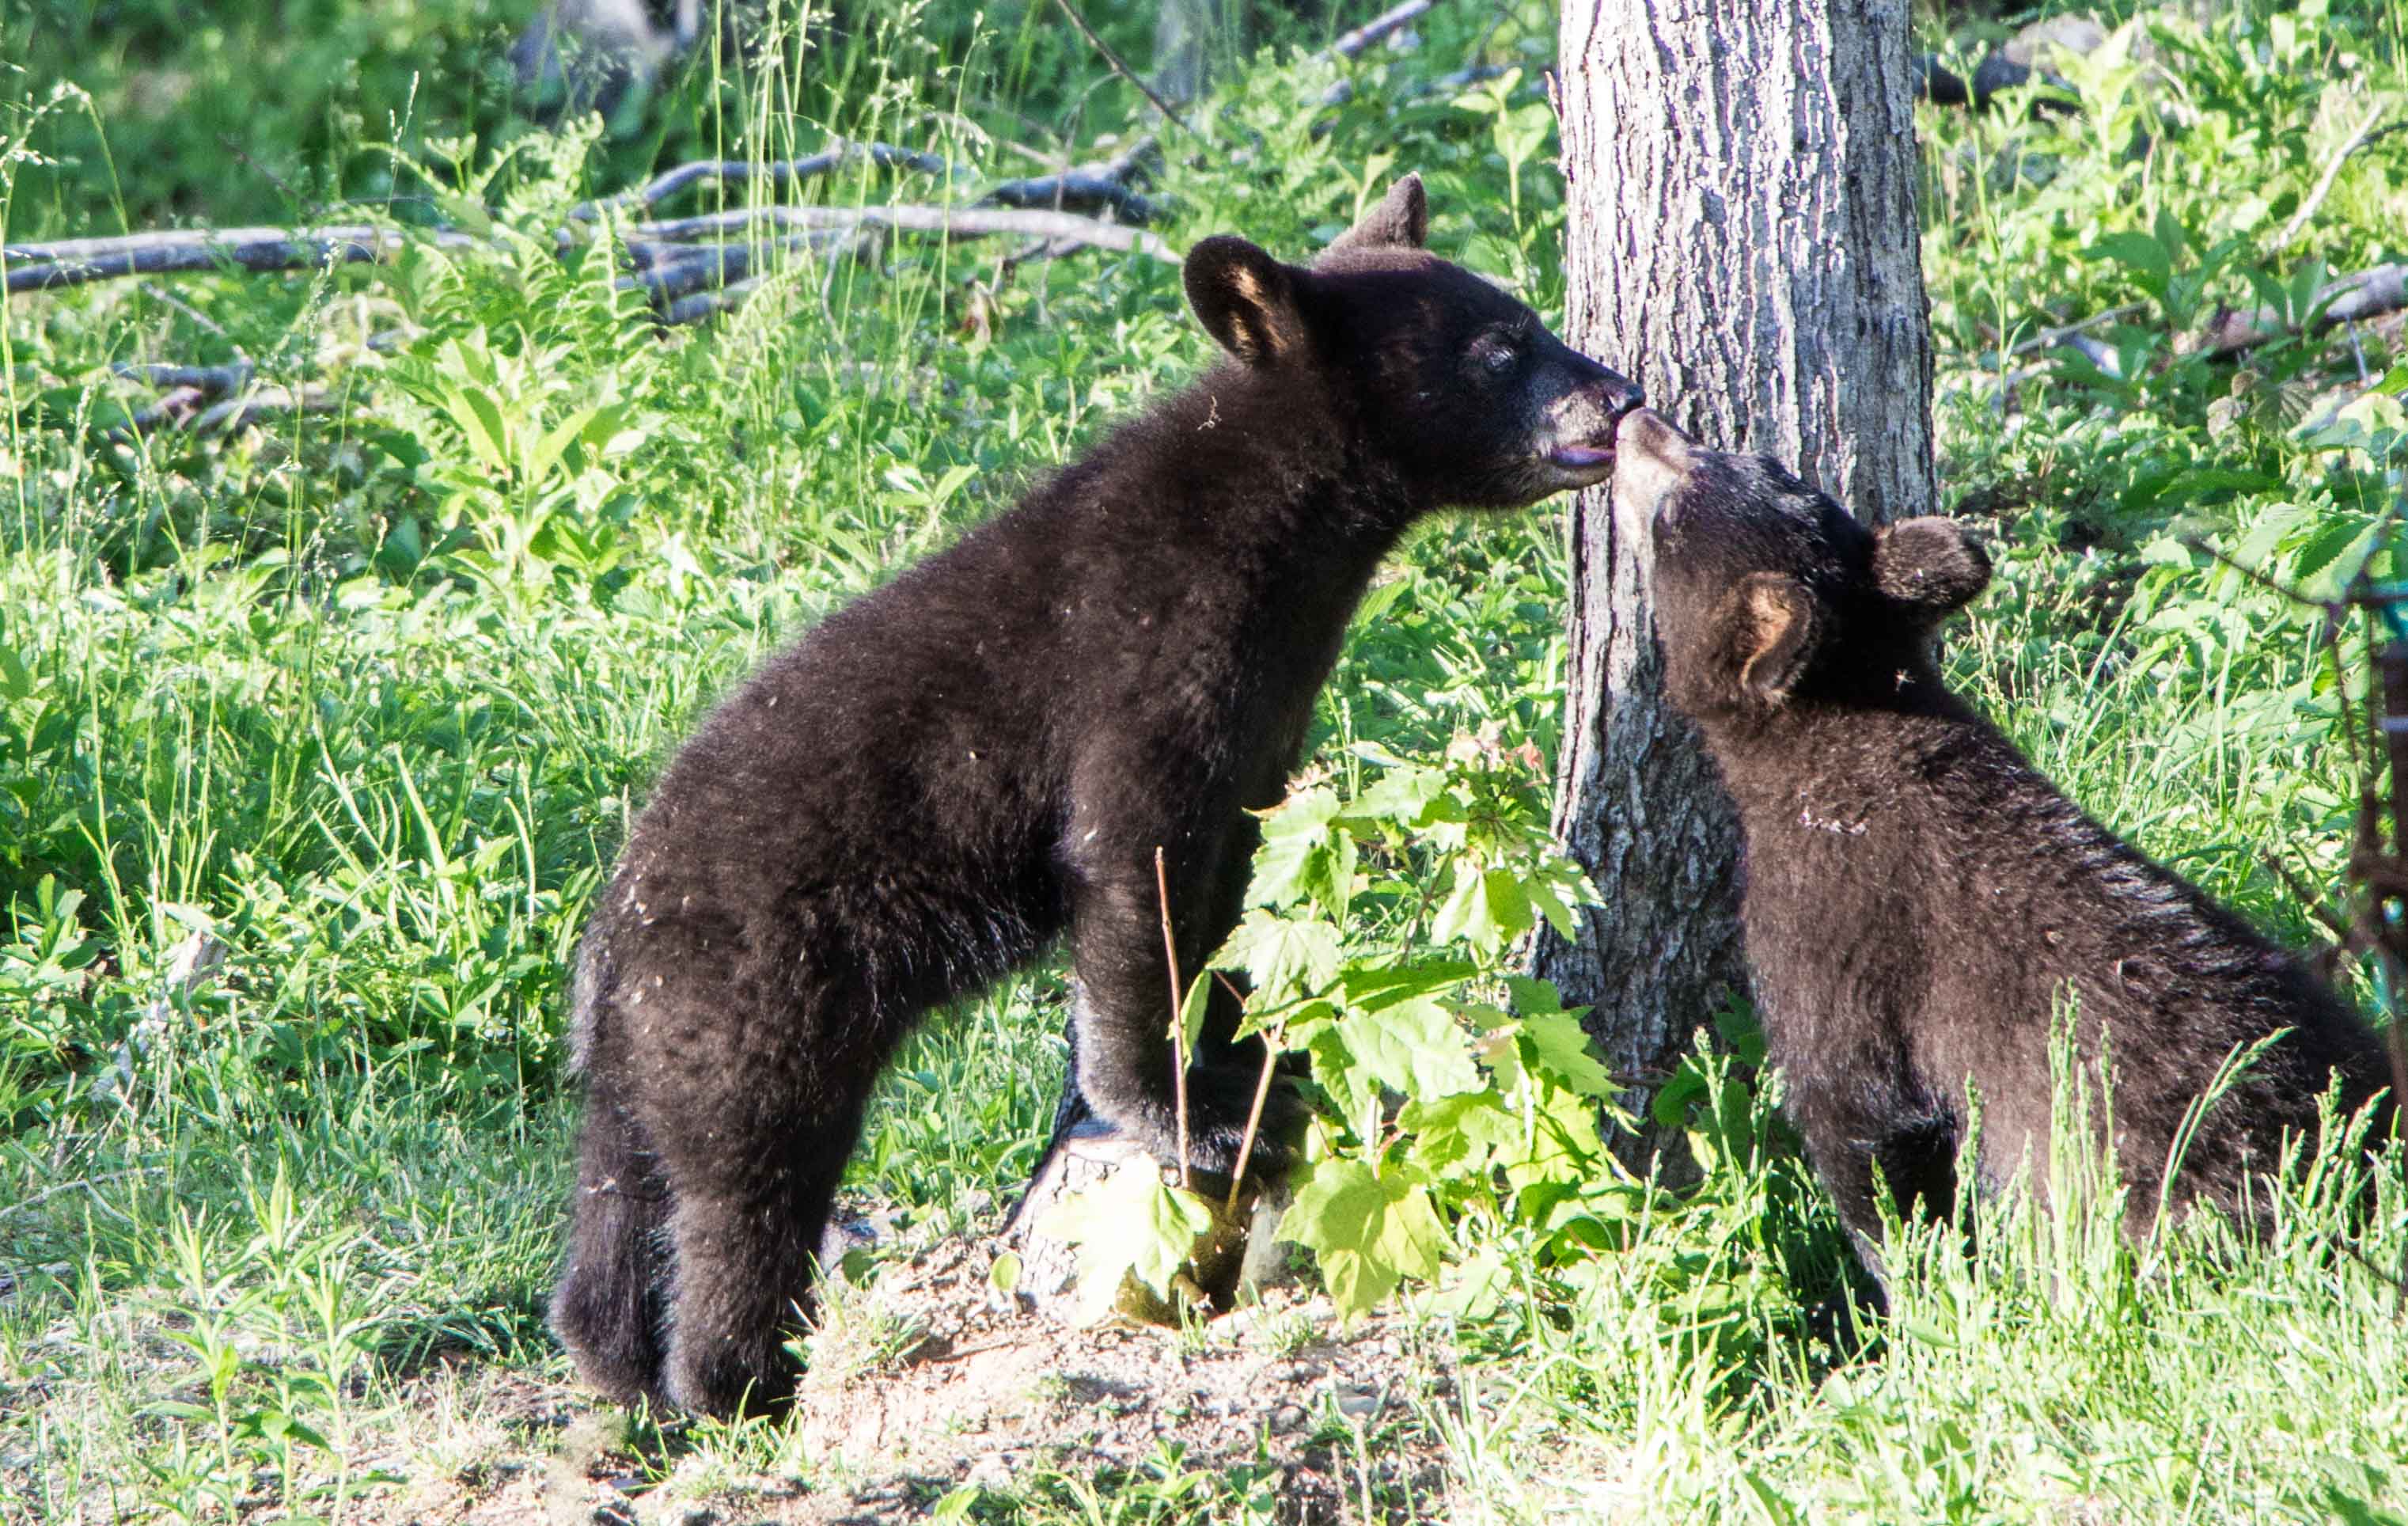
(755, 1101)
(747, 1233)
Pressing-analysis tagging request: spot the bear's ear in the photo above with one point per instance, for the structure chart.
(1768, 631)
(1400, 221)
(1246, 300)
(1933, 565)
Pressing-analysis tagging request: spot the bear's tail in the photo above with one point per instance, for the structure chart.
(607, 1308)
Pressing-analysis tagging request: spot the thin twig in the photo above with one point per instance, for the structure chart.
(2366, 134)
(2399, 1283)
(2049, 338)
(2199, 543)
(1120, 67)
(89, 1184)
(2306, 896)
(1178, 1018)
(167, 299)
(1273, 1041)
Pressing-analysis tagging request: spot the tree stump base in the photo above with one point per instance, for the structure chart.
(1240, 1251)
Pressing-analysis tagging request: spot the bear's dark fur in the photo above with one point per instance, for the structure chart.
(1918, 897)
(931, 786)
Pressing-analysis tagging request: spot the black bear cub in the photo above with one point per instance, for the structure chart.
(930, 787)
(1919, 896)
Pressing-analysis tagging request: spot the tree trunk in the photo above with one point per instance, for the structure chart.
(1743, 240)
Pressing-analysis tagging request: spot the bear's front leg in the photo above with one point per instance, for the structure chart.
(1121, 1012)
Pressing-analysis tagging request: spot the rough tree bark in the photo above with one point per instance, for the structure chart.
(1743, 240)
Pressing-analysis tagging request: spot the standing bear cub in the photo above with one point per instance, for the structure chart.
(930, 787)
(1919, 897)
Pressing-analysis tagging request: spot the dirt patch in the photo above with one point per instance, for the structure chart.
(928, 1380)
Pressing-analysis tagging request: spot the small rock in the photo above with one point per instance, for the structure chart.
(990, 1472)
(1287, 1419)
(1359, 1402)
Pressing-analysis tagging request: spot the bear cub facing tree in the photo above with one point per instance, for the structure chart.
(1919, 897)
(934, 785)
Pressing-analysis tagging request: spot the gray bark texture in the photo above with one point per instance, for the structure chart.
(1741, 181)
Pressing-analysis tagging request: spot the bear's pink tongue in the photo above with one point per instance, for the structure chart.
(1581, 457)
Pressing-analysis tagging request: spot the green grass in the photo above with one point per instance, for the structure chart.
(369, 700)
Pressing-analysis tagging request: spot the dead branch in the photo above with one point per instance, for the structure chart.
(780, 174)
(72, 262)
(700, 268)
(236, 412)
(1379, 27)
(2369, 294)
(1076, 190)
(946, 221)
(701, 305)
(212, 381)
(1092, 188)
(76, 261)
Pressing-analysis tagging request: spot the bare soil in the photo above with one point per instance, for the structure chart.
(928, 1380)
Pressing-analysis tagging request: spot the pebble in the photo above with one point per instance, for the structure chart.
(1287, 1418)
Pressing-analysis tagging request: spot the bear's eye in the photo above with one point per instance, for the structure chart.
(1498, 356)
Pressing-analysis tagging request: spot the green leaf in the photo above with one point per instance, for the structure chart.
(1191, 1012)
(540, 460)
(1486, 910)
(1286, 958)
(2140, 253)
(1560, 1049)
(1003, 1275)
(468, 213)
(1413, 1047)
(480, 419)
(1473, 1290)
(1404, 795)
(1131, 1223)
(1374, 986)
(1305, 856)
(1455, 1136)
(1367, 1232)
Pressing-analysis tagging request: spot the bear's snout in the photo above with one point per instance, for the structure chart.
(1654, 460)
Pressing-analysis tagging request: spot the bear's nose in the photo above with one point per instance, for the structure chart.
(1622, 395)
(1612, 394)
